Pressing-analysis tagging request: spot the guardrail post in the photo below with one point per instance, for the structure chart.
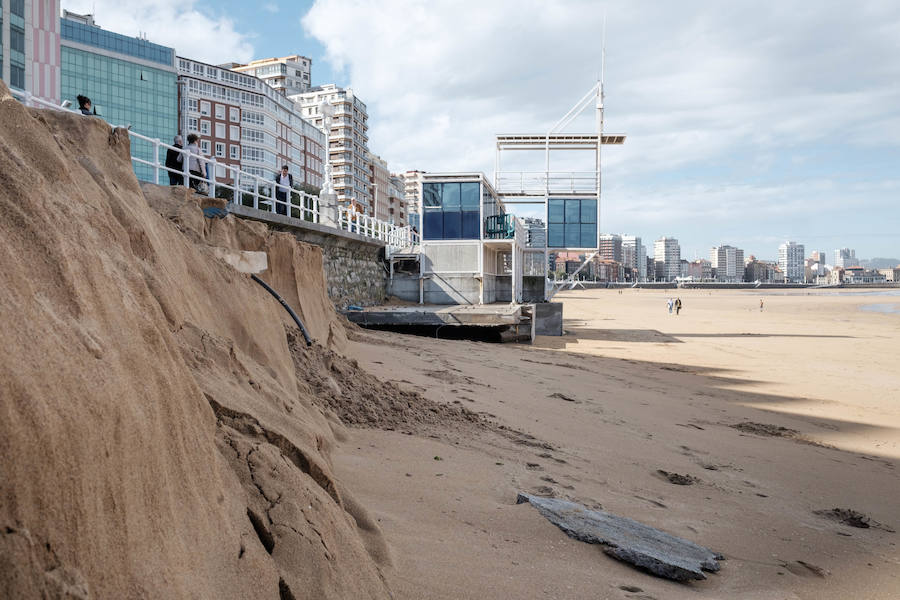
(212, 177)
(156, 161)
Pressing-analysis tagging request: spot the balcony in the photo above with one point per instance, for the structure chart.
(504, 227)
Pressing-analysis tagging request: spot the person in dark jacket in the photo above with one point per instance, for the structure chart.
(284, 182)
(85, 106)
(175, 160)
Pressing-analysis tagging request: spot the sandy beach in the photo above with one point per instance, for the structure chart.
(775, 414)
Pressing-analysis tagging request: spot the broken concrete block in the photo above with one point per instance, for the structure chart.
(641, 545)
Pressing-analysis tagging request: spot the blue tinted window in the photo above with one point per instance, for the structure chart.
(573, 235)
(470, 228)
(432, 193)
(469, 195)
(588, 235)
(573, 211)
(434, 225)
(556, 235)
(450, 199)
(556, 211)
(452, 225)
(588, 211)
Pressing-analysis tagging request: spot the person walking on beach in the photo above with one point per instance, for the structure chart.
(677, 306)
(670, 303)
(284, 181)
(760, 304)
(174, 161)
(84, 105)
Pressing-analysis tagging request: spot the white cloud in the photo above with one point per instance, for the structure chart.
(271, 7)
(181, 24)
(725, 104)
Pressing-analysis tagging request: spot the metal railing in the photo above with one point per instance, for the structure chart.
(505, 227)
(539, 182)
(249, 189)
(394, 237)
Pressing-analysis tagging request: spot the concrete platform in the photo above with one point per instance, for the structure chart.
(514, 322)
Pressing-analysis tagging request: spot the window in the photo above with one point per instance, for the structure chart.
(204, 127)
(572, 223)
(193, 105)
(220, 149)
(220, 112)
(193, 124)
(204, 147)
(235, 133)
(220, 130)
(234, 115)
(452, 211)
(204, 108)
(234, 151)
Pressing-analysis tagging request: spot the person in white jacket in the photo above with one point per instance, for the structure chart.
(195, 164)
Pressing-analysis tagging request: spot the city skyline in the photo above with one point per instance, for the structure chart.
(744, 126)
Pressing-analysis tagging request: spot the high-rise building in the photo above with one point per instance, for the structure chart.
(728, 263)
(667, 254)
(412, 191)
(790, 260)
(610, 247)
(397, 202)
(29, 47)
(130, 81)
(845, 257)
(380, 178)
(243, 122)
(535, 232)
(634, 255)
(288, 74)
(347, 141)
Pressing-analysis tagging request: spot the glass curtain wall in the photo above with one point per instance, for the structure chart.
(17, 44)
(451, 211)
(572, 223)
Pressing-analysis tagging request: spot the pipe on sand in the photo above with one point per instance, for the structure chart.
(286, 307)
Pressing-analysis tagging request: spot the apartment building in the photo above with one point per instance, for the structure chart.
(288, 74)
(535, 232)
(728, 263)
(399, 210)
(347, 141)
(412, 192)
(634, 255)
(845, 257)
(244, 123)
(130, 81)
(790, 260)
(610, 247)
(380, 179)
(667, 255)
(29, 47)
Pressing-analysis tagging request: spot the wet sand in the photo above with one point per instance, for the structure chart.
(777, 413)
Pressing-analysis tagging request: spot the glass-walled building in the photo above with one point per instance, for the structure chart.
(572, 223)
(29, 47)
(130, 81)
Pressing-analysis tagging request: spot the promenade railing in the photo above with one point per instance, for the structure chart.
(249, 189)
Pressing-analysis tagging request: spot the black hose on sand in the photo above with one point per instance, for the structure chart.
(286, 307)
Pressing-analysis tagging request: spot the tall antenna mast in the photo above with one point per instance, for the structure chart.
(600, 122)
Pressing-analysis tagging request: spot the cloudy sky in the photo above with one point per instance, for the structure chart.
(748, 123)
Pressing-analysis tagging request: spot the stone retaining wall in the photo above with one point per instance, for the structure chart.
(354, 272)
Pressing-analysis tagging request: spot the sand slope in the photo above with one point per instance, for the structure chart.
(155, 440)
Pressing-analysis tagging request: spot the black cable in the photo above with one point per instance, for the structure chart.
(286, 307)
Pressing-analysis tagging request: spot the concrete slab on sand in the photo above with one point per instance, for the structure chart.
(484, 315)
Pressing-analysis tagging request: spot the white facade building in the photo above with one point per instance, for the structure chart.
(243, 122)
(288, 74)
(412, 191)
(728, 262)
(634, 255)
(845, 257)
(667, 254)
(347, 142)
(790, 260)
(30, 47)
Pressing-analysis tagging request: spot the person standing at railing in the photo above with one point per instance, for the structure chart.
(174, 161)
(85, 106)
(194, 165)
(284, 183)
